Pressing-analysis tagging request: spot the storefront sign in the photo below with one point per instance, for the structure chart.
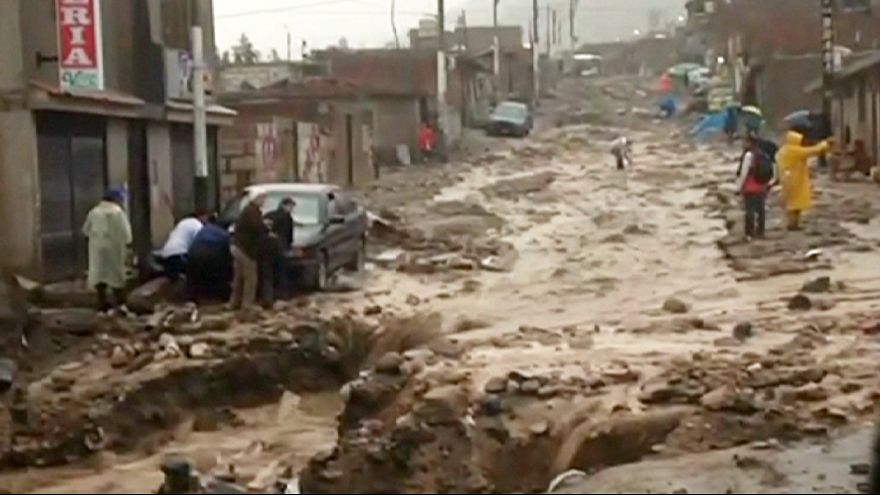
(79, 44)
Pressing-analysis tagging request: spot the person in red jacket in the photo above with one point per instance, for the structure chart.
(756, 174)
(427, 140)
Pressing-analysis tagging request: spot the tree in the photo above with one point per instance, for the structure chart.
(244, 52)
(274, 56)
(343, 43)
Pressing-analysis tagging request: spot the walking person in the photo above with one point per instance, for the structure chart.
(109, 234)
(621, 149)
(754, 179)
(281, 224)
(248, 238)
(794, 171)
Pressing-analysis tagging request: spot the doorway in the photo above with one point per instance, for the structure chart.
(72, 167)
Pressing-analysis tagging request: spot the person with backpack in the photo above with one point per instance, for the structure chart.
(754, 179)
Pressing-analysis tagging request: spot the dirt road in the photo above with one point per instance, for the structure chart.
(571, 316)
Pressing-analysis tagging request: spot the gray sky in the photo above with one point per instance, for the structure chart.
(321, 22)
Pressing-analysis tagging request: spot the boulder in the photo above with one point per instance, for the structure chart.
(530, 386)
(800, 302)
(119, 358)
(390, 363)
(743, 331)
(443, 405)
(817, 285)
(199, 350)
(496, 385)
(675, 306)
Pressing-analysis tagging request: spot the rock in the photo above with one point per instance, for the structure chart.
(466, 324)
(817, 285)
(860, 469)
(144, 299)
(76, 321)
(390, 363)
(199, 350)
(659, 391)
(812, 392)
(8, 369)
(288, 406)
(496, 385)
(620, 374)
(217, 323)
(169, 345)
(61, 382)
(492, 405)
(824, 304)
(443, 405)
(119, 358)
(726, 398)
(413, 300)
(727, 342)
(800, 302)
(530, 386)
(675, 306)
(372, 310)
(540, 428)
(742, 331)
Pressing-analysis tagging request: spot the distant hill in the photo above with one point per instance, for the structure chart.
(596, 20)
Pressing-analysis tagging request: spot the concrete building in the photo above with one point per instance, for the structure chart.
(79, 115)
(317, 130)
(856, 107)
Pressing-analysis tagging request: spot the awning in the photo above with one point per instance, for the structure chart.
(45, 96)
(182, 112)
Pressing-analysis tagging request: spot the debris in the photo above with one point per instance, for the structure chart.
(389, 363)
(169, 345)
(813, 254)
(567, 480)
(675, 306)
(8, 369)
(119, 358)
(860, 469)
(496, 385)
(199, 350)
(800, 302)
(818, 285)
(742, 331)
(540, 428)
(530, 386)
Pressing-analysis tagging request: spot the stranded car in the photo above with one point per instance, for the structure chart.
(330, 230)
(510, 118)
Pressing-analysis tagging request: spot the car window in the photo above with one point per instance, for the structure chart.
(306, 212)
(511, 111)
(342, 204)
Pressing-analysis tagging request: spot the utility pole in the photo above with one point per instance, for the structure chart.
(827, 60)
(572, 9)
(200, 130)
(394, 24)
(496, 43)
(549, 32)
(441, 72)
(536, 83)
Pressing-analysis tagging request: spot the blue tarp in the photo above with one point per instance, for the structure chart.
(710, 125)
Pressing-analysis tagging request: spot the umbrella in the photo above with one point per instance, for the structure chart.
(753, 110)
(682, 70)
(801, 118)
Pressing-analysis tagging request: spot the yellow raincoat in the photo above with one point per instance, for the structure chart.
(109, 234)
(792, 158)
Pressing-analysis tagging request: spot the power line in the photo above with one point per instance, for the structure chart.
(275, 10)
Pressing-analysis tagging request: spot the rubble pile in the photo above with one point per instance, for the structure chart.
(174, 365)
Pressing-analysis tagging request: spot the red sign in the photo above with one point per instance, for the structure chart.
(79, 44)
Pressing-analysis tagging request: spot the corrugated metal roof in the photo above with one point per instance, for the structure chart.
(104, 96)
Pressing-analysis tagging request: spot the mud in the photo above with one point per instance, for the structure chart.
(527, 311)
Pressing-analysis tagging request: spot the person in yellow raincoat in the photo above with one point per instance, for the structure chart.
(797, 188)
(109, 233)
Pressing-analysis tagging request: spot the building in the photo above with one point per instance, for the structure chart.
(856, 106)
(317, 130)
(108, 108)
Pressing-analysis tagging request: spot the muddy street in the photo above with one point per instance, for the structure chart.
(527, 311)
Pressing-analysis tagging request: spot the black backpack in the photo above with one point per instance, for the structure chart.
(763, 162)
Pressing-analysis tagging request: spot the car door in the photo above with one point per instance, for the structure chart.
(335, 233)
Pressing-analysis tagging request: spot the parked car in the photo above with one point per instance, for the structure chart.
(330, 229)
(510, 118)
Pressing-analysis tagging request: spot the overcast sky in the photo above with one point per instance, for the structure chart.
(367, 23)
(321, 22)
